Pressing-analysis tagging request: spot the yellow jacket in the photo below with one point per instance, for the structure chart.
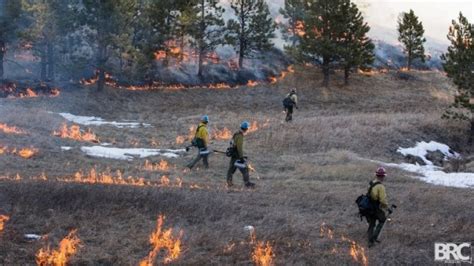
(378, 194)
(202, 133)
(293, 97)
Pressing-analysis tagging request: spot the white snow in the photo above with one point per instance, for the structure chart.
(32, 236)
(65, 148)
(421, 149)
(97, 121)
(129, 154)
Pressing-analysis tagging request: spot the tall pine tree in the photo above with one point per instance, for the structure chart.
(207, 29)
(357, 48)
(9, 13)
(292, 30)
(411, 36)
(253, 29)
(459, 66)
(324, 27)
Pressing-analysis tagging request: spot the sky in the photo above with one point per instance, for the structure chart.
(436, 15)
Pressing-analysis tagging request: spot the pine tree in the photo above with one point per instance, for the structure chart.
(411, 36)
(357, 48)
(253, 29)
(324, 27)
(459, 66)
(207, 29)
(10, 11)
(110, 20)
(293, 29)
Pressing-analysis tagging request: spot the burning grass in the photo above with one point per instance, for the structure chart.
(163, 240)
(59, 257)
(3, 220)
(161, 166)
(26, 153)
(74, 132)
(11, 129)
(263, 254)
(356, 251)
(12, 90)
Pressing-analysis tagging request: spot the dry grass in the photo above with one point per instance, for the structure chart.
(311, 172)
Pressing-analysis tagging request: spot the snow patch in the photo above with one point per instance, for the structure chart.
(97, 121)
(129, 154)
(66, 148)
(421, 149)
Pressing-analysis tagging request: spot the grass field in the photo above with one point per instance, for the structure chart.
(309, 173)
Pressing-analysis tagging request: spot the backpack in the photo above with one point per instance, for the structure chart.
(366, 205)
(288, 102)
(232, 149)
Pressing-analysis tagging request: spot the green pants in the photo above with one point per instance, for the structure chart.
(374, 228)
(200, 156)
(233, 168)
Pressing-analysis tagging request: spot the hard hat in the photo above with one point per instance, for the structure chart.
(245, 125)
(381, 172)
(205, 118)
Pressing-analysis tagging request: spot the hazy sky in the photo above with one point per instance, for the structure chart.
(436, 15)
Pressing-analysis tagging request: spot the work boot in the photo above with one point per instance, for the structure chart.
(371, 244)
(249, 185)
(229, 183)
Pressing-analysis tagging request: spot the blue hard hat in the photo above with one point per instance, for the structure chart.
(205, 118)
(245, 125)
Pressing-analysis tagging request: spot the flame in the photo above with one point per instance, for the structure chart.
(29, 93)
(263, 254)
(74, 132)
(11, 129)
(299, 28)
(404, 69)
(189, 137)
(159, 55)
(163, 240)
(224, 134)
(252, 83)
(165, 181)
(60, 257)
(273, 80)
(161, 166)
(253, 127)
(3, 220)
(27, 153)
(324, 230)
(93, 177)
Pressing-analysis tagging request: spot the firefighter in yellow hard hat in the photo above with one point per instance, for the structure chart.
(201, 141)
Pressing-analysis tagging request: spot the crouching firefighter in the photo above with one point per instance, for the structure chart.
(378, 198)
(290, 101)
(236, 153)
(201, 140)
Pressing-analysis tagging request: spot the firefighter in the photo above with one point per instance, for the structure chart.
(290, 101)
(201, 140)
(379, 198)
(238, 160)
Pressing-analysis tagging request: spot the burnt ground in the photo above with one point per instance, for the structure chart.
(310, 173)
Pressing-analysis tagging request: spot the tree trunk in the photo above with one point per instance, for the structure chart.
(201, 41)
(44, 64)
(242, 36)
(101, 67)
(347, 72)
(409, 61)
(471, 135)
(50, 61)
(325, 67)
(3, 50)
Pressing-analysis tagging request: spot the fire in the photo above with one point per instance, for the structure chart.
(163, 240)
(299, 28)
(165, 181)
(273, 80)
(159, 55)
(60, 257)
(74, 132)
(189, 137)
(253, 127)
(11, 129)
(29, 93)
(27, 153)
(224, 134)
(404, 69)
(252, 83)
(93, 177)
(3, 220)
(324, 230)
(356, 251)
(263, 254)
(161, 166)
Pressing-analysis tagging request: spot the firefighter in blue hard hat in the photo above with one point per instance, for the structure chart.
(201, 141)
(238, 160)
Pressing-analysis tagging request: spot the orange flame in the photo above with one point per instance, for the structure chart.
(74, 132)
(252, 83)
(11, 129)
(161, 166)
(263, 254)
(190, 136)
(299, 28)
(324, 230)
(224, 134)
(253, 127)
(60, 257)
(29, 93)
(160, 240)
(159, 55)
(3, 220)
(27, 153)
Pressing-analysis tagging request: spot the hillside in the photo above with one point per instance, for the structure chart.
(308, 173)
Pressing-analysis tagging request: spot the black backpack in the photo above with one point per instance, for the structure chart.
(366, 205)
(231, 150)
(288, 102)
(196, 142)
